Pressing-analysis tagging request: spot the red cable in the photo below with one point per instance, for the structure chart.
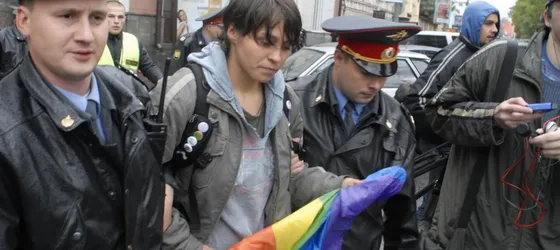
(526, 182)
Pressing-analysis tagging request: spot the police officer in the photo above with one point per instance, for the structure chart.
(353, 128)
(125, 48)
(13, 46)
(211, 30)
(77, 170)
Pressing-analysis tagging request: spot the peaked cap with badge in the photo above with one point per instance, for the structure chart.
(372, 43)
(214, 17)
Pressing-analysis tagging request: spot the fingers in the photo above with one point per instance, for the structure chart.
(517, 101)
(350, 182)
(549, 144)
(297, 140)
(297, 165)
(549, 140)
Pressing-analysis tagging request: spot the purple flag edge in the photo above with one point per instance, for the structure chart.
(353, 200)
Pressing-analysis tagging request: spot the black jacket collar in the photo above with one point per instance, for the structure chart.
(115, 95)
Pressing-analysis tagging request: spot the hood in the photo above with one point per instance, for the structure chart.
(474, 16)
(214, 64)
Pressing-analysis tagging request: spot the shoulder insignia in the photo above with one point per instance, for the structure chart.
(177, 54)
(182, 39)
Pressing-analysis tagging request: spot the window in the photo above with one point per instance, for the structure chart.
(420, 64)
(426, 40)
(299, 62)
(404, 75)
(454, 37)
(434, 41)
(323, 66)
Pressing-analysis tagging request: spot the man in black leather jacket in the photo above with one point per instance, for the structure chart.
(14, 49)
(211, 30)
(353, 128)
(77, 171)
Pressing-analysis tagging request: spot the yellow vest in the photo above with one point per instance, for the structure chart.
(130, 53)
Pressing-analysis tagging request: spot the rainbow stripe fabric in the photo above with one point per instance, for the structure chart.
(321, 223)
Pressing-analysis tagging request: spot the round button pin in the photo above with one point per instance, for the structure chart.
(198, 135)
(203, 127)
(192, 141)
(188, 148)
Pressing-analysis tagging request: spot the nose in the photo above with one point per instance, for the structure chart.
(494, 29)
(84, 32)
(276, 55)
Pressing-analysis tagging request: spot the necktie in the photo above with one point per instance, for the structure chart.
(92, 109)
(348, 120)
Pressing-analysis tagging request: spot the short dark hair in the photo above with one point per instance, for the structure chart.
(248, 16)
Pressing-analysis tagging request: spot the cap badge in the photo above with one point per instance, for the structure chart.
(388, 53)
(399, 35)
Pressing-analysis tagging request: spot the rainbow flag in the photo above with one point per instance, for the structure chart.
(321, 223)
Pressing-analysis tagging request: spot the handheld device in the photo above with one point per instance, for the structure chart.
(543, 107)
(156, 129)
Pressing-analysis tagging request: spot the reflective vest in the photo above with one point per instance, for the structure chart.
(130, 53)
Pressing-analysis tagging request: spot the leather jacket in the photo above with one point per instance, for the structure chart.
(383, 137)
(14, 48)
(190, 43)
(59, 187)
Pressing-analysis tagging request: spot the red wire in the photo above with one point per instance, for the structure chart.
(526, 182)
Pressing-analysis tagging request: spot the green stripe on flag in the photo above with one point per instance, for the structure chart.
(327, 200)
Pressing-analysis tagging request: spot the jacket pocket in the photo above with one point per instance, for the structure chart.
(202, 177)
(73, 233)
(393, 150)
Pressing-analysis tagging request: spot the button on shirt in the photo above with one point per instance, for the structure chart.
(81, 101)
(342, 100)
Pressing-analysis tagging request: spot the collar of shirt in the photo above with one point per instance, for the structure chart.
(342, 100)
(81, 101)
(205, 38)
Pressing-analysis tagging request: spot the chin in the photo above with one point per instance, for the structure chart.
(263, 78)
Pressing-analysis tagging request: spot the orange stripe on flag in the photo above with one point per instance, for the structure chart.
(263, 239)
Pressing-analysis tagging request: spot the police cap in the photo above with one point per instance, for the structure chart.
(214, 17)
(371, 42)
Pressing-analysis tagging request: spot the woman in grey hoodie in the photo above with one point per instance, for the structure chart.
(248, 184)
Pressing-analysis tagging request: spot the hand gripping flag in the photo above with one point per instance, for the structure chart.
(321, 223)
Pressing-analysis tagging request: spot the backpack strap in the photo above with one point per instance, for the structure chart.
(202, 89)
(499, 94)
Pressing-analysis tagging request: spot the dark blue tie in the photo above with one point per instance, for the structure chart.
(348, 119)
(92, 109)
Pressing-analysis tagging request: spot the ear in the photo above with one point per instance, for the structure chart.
(231, 34)
(547, 17)
(338, 57)
(23, 20)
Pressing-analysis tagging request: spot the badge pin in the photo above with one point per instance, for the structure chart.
(198, 135)
(192, 141)
(319, 98)
(289, 104)
(203, 127)
(67, 122)
(188, 148)
(388, 123)
(177, 54)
